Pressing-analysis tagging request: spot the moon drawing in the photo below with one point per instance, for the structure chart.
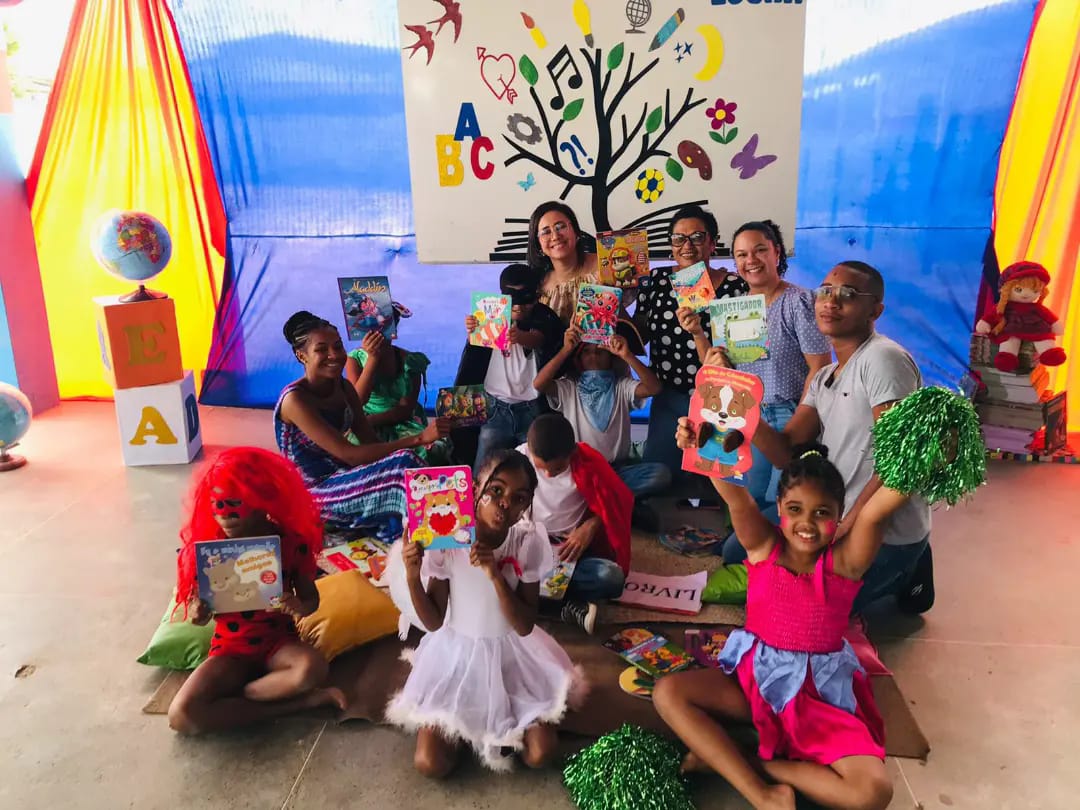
(714, 52)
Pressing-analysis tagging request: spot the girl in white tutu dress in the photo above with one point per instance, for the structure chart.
(485, 674)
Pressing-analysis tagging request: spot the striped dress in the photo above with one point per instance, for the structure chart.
(369, 496)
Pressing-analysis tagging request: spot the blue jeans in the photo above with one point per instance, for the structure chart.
(506, 428)
(893, 566)
(644, 478)
(664, 413)
(596, 579)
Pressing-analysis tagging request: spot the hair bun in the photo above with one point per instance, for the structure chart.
(299, 325)
(802, 451)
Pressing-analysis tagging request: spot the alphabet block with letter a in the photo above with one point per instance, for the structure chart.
(140, 344)
(159, 424)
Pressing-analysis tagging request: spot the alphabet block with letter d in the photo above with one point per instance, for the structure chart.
(159, 424)
(140, 344)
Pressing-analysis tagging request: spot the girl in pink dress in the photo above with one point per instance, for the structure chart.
(790, 671)
(485, 674)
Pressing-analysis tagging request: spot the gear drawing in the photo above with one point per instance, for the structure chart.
(523, 128)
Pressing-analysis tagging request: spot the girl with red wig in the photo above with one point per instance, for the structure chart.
(258, 667)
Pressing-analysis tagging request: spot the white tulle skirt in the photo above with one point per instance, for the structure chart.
(487, 691)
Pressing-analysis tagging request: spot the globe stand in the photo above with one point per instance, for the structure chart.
(9, 462)
(142, 294)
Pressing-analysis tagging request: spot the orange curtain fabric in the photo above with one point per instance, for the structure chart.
(121, 131)
(1037, 198)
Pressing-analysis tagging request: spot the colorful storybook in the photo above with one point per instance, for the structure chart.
(554, 583)
(365, 554)
(597, 312)
(239, 574)
(622, 257)
(738, 324)
(367, 306)
(492, 313)
(692, 287)
(705, 645)
(680, 594)
(463, 405)
(637, 683)
(725, 408)
(439, 503)
(649, 652)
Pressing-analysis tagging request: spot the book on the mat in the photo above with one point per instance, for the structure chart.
(597, 312)
(463, 405)
(692, 287)
(365, 554)
(705, 645)
(649, 652)
(554, 583)
(622, 257)
(738, 324)
(693, 541)
(725, 408)
(667, 594)
(637, 683)
(492, 313)
(239, 574)
(439, 504)
(365, 300)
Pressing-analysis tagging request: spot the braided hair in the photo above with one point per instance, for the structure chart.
(771, 232)
(810, 463)
(300, 325)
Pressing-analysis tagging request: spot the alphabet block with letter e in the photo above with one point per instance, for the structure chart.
(159, 424)
(140, 344)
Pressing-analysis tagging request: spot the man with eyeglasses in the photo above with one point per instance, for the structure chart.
(840, 406)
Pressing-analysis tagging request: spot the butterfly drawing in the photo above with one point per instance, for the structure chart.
(527, 183)
(746, 163)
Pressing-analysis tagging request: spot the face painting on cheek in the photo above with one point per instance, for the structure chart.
(830, 527)
(230, 508)
(785, 522)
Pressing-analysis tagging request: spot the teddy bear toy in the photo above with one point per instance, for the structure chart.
(1020, 315)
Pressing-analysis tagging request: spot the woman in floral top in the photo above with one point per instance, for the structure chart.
(674, 358)
(557, 252)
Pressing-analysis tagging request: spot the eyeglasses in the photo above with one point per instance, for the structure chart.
(696, 238)
(843, 294)
(558, 228)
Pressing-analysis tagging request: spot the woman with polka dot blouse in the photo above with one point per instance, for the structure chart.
(693, 234)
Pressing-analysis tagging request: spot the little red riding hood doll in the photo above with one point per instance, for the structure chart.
(1020, 316)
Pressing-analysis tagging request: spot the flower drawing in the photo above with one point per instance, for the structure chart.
(721, 113)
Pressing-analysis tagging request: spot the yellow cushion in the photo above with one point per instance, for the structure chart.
(351, 612)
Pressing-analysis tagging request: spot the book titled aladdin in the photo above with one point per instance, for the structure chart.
(693, 288)
(367, 306)
(439, 503)
(239, 574)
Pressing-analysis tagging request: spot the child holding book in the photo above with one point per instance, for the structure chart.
(585, 508)
(257, 668)
(485, 674)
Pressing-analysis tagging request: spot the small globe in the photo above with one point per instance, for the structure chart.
(15, 415)
(638, 12)
(649, 186)
(131, 245)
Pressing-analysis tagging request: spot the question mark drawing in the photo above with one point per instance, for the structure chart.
(568, 146)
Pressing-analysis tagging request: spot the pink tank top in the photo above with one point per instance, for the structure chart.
(799, 612)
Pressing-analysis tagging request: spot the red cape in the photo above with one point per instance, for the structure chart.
(609, 499)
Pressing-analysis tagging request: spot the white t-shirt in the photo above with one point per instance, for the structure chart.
(557, 505)
(613, 443)
(510, 377)
(879, 371)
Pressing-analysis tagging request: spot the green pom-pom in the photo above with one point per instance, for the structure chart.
(628, 769)
(929, 443)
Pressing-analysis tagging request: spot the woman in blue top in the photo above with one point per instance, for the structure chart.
(796, 349)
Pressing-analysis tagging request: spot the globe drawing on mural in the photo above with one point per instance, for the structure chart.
(132, 246)
(638, 13)
(15, 416)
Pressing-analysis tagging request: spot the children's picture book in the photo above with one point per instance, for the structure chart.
(637, 683)
(622, 257)
(651, 653)
(365, 554)
(1055, 422)
(367, 306)
(693, 288)
(597, 312)
(439, 501)
(668, 594)
(694, 541)
(464, 405)
(725, 408)
(738, 324)
(557, 580)
(239, 574)
(492, 313)
(705, 645)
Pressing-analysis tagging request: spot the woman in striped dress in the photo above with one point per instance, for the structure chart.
(356, 485)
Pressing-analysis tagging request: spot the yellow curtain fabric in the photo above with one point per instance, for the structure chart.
(121, 131)
(1037, 198)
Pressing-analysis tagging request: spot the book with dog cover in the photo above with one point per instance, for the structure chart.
(439, 504)
(597, 312)
(651, 653)
(367, 306)
(463, 405)
(725, 408)
(622, 257)
(492, 313)
(693, 288)
(239, 574)
(738, 324)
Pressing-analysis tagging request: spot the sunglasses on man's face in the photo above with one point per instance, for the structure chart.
(843, 294)
(696, 238)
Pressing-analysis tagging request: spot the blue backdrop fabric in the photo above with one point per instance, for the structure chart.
(304, 112)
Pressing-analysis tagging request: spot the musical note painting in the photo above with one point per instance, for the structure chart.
(624, 111)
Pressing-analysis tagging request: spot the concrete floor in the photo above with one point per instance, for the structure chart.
(88, 547)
